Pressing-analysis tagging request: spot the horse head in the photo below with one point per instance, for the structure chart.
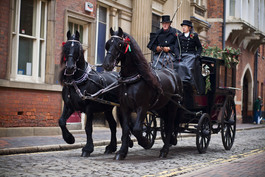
(115, 47)
(72, 53)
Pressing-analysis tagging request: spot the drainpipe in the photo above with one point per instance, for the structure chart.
(224, 22)
(255, 94)
(223, 39)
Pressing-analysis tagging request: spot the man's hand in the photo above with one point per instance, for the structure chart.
(159, 49)
(166, 49)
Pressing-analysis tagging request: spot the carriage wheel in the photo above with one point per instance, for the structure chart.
(203, 134)
(163, 133)
(149, 129)
(228, 123)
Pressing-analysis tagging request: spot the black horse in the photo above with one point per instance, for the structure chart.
(78, 75)
(142, 90)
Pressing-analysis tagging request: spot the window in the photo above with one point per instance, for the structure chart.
(76, 27)
(155, 23)
(102, 19)
(29, 40)
(232, 7)
(82, 28)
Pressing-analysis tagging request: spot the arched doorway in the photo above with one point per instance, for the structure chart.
(246, 101)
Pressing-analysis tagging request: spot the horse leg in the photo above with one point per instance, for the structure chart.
(89, 147)
(67, 136)
(122, 153)
(138, 128)
(112, 147)
(169, 129)
(118, 113)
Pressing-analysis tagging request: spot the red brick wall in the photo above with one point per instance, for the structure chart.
(4, 36)
(214, 34)
(29, 108)
(215, 8)
(261, 75)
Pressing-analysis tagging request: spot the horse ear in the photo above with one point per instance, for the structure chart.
(111, 31)
(77, 35)
(68, 35)
(120, 32)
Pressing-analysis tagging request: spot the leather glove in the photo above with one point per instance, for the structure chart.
(158, 49)
(166, 49)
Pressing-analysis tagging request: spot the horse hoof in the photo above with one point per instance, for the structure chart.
(85, 154)
(130, 143)
(163, 155)
(70, 139)
(108, 151)
(119, 157)
(173, 141)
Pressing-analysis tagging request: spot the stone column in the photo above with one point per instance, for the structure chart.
(50, 43)
(113, 19)
(142, 24)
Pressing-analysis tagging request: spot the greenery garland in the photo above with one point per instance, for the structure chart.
(229, 54)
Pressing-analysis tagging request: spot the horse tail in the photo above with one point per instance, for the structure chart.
(118, 116)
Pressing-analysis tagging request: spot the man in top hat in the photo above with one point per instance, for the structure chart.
(162, 43)
(190, 50)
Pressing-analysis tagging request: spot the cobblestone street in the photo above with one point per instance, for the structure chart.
(182, 159)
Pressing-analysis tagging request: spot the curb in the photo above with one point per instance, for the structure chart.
(61, 147)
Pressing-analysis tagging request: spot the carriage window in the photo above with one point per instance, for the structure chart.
(101, 35)
(222, 76)
(229, 82)
(28, 40)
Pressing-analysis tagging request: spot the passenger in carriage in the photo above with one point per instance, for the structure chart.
(188, 67)
(162, 43)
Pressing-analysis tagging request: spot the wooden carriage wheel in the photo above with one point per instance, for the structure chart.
(203, 134)
(149, 129)
(228, 123)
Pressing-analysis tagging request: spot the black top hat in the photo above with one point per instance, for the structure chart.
(186, 22)
(166, 19)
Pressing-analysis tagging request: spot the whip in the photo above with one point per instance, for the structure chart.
(176, 10)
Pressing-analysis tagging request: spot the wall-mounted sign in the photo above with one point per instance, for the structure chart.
(88, 7)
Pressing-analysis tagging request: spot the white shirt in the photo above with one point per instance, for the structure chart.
(187, 34)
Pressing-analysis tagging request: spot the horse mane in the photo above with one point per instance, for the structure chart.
(65, 49)
(142, 65)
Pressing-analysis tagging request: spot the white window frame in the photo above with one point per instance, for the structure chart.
(107, 30)
(34, 78)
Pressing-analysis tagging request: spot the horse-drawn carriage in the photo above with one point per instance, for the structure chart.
(205, 114)
(152, 94)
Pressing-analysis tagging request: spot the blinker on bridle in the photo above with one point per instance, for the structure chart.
(71, 55)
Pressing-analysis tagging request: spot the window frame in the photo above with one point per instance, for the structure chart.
(38, 59)
(107, 31)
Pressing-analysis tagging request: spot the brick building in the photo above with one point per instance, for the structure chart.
(244, 29)
(32, 32)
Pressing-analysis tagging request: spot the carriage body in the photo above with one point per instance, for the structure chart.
(222, 85)
(212, 112)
